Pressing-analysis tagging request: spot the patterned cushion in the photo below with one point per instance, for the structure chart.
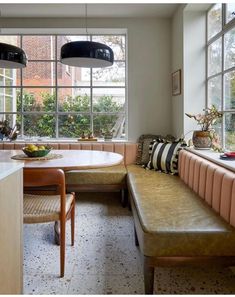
(164, 156)
(143, 147)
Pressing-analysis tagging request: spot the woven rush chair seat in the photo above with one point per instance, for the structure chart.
(43, 208)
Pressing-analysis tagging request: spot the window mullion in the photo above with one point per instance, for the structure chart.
(91, 98)
(56, 92)
(21, 92)
(222, 87)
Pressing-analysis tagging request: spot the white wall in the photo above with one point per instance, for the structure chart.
(189, 55)
(149, 66)
(177, 63)
(194, 67)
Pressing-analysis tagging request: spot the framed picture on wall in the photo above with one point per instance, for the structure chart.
(176, 83)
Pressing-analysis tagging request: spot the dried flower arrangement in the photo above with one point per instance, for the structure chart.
(207, 137)
(207, 119)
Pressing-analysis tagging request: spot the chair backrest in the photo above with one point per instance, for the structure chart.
(47, 182)
(44, 180)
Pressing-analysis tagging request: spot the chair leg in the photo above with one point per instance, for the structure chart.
(124, 197)
(62, 246)
(57, 232)
(72, 223)
(148, 277)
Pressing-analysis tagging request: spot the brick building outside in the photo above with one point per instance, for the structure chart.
(39, 72)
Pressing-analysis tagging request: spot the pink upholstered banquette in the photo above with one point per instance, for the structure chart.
(213, 183)
(127, 149)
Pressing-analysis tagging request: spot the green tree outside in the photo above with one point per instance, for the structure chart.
(71, 124)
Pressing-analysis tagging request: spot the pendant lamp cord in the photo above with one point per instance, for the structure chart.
(86, 21)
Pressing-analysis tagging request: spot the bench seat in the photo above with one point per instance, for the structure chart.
(171, 220)
(103, 176)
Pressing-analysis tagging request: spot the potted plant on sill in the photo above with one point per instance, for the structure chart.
(107, 133)
(203, 139)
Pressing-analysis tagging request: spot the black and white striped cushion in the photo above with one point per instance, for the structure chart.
(164, 156)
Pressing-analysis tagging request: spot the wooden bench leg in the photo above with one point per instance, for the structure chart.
(136, 238)
(124, 197)
(148, 277)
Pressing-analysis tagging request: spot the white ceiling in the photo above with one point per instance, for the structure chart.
(93, 10)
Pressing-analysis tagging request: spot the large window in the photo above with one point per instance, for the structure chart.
(49, 99)
(221, 68)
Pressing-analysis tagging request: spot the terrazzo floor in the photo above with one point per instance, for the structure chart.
(105, 259)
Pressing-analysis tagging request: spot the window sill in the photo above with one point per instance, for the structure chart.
(213, 157)
(64, 140)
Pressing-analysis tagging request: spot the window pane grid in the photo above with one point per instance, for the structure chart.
(221, 84)
(54, 115)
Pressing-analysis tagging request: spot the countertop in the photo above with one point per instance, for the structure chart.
(7, 168)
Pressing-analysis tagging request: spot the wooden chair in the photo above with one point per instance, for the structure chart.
(45, 200)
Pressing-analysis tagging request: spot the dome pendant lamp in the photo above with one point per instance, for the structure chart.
(12, 56)
(86, 53)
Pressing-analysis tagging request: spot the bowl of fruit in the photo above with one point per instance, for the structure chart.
(35, 151)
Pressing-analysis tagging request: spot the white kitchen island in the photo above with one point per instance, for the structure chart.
(11, 223)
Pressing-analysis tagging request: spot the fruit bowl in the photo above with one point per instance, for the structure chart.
(36, 152)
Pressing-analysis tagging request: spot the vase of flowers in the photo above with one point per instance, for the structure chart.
(203, 139)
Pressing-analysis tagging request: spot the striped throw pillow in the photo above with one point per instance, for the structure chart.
(164, 156)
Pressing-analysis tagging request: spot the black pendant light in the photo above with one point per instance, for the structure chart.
(12, 56)
(86, 53)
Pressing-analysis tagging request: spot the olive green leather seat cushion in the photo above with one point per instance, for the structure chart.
(101, 176)
(171, 220)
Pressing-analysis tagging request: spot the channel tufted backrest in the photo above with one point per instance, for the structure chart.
(127, 149)
(213, 183)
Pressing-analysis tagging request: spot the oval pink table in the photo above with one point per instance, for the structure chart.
(71, 159)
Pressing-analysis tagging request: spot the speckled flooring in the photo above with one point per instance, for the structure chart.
(104, 259)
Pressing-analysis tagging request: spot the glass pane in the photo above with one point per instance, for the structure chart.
(2, 80)
(13, 120)
(215, 57)
(9, 77)
(217, 127)
(39, 74)
(229, 90)
(116, 42)
(108, 100)
(73, 125)
(39, 125)
(71, 100)
(215, 92)
(109, 76)
(62, 39)
(230, 131)
(215, 20)
(230, 11)
(39, 47)
(10, 39)
(9, 100)
(114, 124)
(229, 49)
(72, 76)
(37, 99)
